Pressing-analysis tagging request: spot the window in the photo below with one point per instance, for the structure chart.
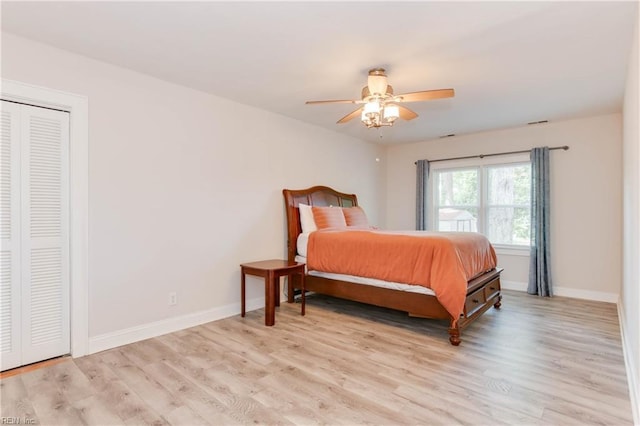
(458, 200)
(490, 198)
(508, 204)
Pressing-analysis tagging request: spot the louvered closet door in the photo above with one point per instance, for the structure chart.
(11, 349)
(39, 173)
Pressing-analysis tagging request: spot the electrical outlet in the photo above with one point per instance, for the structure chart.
(173, 298)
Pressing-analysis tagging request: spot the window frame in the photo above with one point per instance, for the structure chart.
(481, 164)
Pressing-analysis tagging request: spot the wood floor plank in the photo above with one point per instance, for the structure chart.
(536, 361)
(96, 411)
(146, 417)
(146, 387)
(121, 399)
(14, 399)
(202, 403)
(49, 401)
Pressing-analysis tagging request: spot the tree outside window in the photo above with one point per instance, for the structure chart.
(491, 199)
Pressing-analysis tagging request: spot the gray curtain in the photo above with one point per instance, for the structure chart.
(422, 177)
(540, 259)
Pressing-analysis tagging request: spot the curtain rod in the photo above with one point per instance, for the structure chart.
(564, 148)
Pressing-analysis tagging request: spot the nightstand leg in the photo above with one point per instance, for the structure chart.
(290, 289)
(303, 294)
(242, 294)
(276, 291)
(269, 308)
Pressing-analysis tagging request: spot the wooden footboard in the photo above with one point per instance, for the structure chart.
(482, 293)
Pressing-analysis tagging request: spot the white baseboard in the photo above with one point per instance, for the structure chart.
(146, 331)
(631, 368)
(597, 296)
(513, 285)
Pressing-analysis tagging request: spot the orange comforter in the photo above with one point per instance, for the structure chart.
(442, 261)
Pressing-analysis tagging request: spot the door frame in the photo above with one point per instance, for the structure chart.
(78, 107)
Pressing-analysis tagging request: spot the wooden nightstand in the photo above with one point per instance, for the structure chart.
(271, 271)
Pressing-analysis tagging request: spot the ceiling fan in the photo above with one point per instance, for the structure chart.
(380, 106)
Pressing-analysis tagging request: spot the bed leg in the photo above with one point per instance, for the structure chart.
(454, 335)
(498, 303)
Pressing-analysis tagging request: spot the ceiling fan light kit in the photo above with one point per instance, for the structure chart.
(378, 114)
(380, 104)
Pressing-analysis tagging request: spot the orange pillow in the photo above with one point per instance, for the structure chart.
(329, 217)
(355, 216)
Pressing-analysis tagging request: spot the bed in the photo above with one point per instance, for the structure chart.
(482, 292)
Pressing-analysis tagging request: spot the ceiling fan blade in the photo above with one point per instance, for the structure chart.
(350, 116)
(426, 95)
(406, 113)
(339, 101)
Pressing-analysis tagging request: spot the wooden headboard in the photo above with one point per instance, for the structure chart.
(314, 196)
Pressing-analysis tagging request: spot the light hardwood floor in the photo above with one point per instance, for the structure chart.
(536, 361)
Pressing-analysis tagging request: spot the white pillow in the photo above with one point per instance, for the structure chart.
(307, 221)
(301, 244)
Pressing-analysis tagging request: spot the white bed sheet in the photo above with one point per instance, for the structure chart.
(367, 281)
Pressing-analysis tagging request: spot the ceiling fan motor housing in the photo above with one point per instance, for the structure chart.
(377, 82)
(366, 93)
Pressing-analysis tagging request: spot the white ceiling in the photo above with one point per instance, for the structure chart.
(510, 63)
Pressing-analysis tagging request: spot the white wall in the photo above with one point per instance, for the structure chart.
(184, 186)
(586, 212)
(630, 294)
